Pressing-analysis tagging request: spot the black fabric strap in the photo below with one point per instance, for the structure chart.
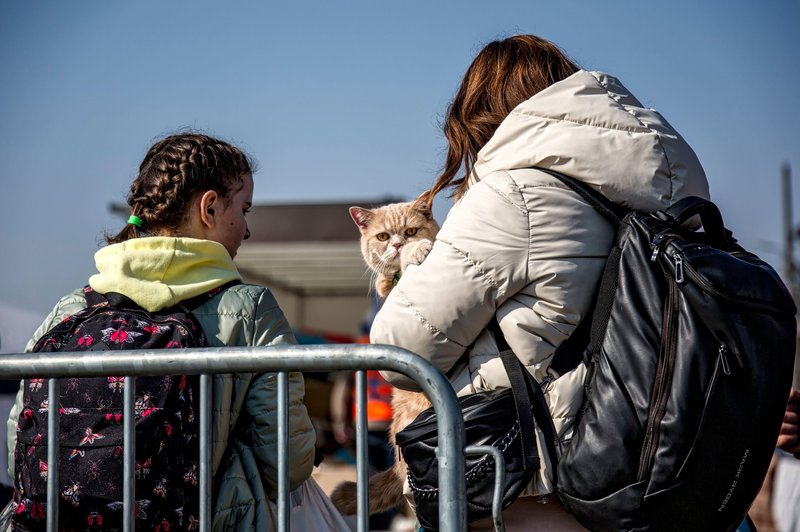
(591, 329)
(604, 300)
(527, 425)
(522, 401)
(528, 397)
(117, 300)
(541, 412)
(571, 351)
(196, 301)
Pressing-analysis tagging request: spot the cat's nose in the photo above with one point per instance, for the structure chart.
(397, 246)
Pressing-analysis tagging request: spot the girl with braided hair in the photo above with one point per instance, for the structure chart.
(188, 218)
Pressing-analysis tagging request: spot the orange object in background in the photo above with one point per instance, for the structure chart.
(379, 401)
(379, 397)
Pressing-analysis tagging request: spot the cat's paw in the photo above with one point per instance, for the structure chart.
(414, 253)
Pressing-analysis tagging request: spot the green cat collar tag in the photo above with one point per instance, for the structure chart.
(396, 278)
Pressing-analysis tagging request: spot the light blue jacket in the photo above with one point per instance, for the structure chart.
(244, 412)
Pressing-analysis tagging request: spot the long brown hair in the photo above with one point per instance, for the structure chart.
(174, 170)
(504, 74)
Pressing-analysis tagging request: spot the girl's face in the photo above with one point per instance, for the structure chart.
(230, 228)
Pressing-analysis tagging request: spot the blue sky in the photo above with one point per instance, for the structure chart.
(343, 100)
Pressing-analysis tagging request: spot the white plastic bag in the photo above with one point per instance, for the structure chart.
(312, 510)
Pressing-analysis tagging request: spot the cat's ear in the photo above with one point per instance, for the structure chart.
(361, 217)
(422, 206)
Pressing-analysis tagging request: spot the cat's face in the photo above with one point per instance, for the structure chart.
(385, 230)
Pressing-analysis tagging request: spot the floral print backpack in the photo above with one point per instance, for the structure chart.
(91, 439)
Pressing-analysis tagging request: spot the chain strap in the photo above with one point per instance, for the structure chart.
(477, 472)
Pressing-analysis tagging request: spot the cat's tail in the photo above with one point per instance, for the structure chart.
(385, 492)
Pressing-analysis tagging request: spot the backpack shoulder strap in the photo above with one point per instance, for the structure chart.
(94, 299)
(569, 354)
(194, 302)
(117, 300)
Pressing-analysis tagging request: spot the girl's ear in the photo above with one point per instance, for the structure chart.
(209, 202)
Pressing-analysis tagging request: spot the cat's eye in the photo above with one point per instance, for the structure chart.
(383, 237)
(411, 231)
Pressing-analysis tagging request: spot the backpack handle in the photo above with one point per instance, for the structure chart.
(709, 214)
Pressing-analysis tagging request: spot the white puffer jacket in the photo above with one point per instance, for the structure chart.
(520, 245)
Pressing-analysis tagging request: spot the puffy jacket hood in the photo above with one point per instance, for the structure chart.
(158, 272)
(591, 127)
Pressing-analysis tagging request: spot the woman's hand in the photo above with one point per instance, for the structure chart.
(789, 437)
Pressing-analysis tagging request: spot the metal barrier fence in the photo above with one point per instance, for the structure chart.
(280, 359)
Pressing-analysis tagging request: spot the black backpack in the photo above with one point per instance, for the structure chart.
(91, 439)
(690, 354)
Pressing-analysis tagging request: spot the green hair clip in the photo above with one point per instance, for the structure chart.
(135, 220)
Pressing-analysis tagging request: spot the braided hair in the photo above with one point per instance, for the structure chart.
(173, 172)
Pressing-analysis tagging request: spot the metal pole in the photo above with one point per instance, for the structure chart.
(362, 501)
(283, 447)
(499, 480)
(205, 453)
(129, 454)
(53, 436)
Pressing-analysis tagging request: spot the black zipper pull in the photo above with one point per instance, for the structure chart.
(656, 247)
(723, 359)
(678, 268)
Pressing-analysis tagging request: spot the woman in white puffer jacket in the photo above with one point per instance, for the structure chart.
(518, 244)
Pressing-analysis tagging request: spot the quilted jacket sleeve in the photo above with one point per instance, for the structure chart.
(271, 328)
(245, 415)
(479, 259)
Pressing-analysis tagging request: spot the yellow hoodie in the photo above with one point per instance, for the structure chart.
(159, 272)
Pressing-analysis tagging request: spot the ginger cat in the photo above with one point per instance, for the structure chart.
(392, 237)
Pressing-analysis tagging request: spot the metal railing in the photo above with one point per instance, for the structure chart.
(280, 359)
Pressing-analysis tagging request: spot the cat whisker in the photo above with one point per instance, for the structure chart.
(368, 271)
(390, 253)
(384, 262)
(373, 279)
(373, 275)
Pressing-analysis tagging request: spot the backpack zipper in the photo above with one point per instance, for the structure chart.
(708, 287)
(658, 243)
(677, 259)
(681, 272)
(723, 359)
(663, 383)
(679, 268)
(722, 366)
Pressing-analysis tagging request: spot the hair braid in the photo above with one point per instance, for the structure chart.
(174, 170)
